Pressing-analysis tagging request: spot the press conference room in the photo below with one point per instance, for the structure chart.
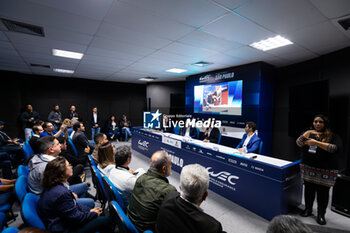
(175, 116)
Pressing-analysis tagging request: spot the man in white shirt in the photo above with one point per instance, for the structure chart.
(122, 176)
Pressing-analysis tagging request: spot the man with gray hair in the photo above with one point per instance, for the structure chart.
(149, 192)
(181, 212)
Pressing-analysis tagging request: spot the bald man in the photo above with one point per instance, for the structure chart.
(149, 192)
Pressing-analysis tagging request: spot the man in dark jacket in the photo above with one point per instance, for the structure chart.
(33, 142)
(55, 117)
(181, 213)
(80, 141)
(149, 192)
(28, 118)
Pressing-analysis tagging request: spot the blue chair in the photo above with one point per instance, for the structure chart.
(21, 187)
(29, 211)
(22, 170)
(219, 140)
(73, 146)
(120, 219)
(177, 130)
(112, 192)
(2, 220)
(92, 161)
(260, 147)
(198, 133)
(28, 151)
(10, 230)
(98, 183)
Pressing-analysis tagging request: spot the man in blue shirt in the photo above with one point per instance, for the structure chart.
(250, 141)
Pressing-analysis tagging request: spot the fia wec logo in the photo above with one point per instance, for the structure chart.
(223, 175)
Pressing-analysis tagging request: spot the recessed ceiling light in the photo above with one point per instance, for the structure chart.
(271, 43)
(69, 54)
(202, 63)
(147, 79)
(176, 70)
(63, 71)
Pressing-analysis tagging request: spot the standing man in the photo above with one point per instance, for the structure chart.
(125, 124)
(81, 142)
(33, 142)
(73, 115)
(250, 141)
(149, 192)
(29, 118)
(95, 123)
(55, 117)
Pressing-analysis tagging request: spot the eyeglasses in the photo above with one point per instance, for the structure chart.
(321, 122)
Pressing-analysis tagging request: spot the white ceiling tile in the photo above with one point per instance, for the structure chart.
(317, 37)
(142, 20)
(32, 13)
(5, 45)
(281, 16)
(172, 57)
(195, 12)
(334, 8)
(8, 52)
(225, 60)
(230, 4)
(92, 59)
(235, 28)
(250, 54)
(163, 63)
(118, 33)
(67, 36)
(112, 54)
(204, 40)
(188, 50)
(88, 8)
(122, 47)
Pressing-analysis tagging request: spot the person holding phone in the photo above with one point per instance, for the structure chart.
(318, 165)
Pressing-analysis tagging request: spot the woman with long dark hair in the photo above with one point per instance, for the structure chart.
(318, 165)
(57, 206)
(112, 128)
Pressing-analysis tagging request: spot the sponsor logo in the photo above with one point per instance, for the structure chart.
(223, 175)
(143, 143)
(151, 120)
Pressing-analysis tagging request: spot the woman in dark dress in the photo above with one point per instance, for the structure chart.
(318, 165)
(112, 128)
(57, 206)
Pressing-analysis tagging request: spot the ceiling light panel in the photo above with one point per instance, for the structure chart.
(271, 43)
(67, 54)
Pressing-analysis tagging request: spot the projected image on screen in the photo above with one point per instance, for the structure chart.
(219, 98)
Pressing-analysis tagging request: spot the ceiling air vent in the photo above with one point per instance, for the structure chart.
(40, 65)
(30, 29)
(345, 23)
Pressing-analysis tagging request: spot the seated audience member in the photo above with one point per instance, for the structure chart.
(37, 130)
(250, 141)
(7, 191)
(287, 224)
(123, 177)
(6, 165)
(125, 125)
(78, 164)
(49, 130)
(106, 158)
(112, 128)
(182, 213)
(49, 149)
(69, 127)
(55, 117)
(149, 192)
(11, 146)
(95, 122)
(28, 118)
(99, 139)
(80, 141)
(57, 206)
(211, 134)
